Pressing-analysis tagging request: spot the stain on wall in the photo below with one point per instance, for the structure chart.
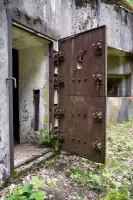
(33, 75)
(119, 109)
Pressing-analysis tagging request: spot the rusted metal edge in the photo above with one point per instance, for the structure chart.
(77, 34)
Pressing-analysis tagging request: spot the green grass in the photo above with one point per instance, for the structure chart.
(115, 179)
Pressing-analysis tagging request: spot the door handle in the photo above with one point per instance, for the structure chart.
(13, 79)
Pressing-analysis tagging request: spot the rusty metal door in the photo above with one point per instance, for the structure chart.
(82, 94)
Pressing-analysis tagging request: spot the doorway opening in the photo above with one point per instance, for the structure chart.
(30, 65)
(15, 67)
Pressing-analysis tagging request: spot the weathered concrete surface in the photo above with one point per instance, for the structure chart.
(119, 22)
(41, 15)
(4, 102)
(57, 19)
(25, 153)
(119, 109)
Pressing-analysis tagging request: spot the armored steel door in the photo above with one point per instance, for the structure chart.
(82, 94)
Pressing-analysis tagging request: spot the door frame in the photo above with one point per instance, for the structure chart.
(12, 23)
(10, 74)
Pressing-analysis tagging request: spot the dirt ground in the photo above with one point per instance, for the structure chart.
(69, 177)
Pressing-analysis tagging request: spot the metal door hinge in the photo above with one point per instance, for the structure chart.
(59, 135)
(59, 82)
(97, 145)
(98, 115)
(59, 57)
(59, 112)
(98, 47)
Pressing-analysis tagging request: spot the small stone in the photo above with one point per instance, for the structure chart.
(50, 196)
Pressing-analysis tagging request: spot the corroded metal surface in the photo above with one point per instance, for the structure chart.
(84, 95)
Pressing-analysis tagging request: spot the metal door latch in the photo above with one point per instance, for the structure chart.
(60, 135)
(98, 48)
(59, 82)
(59, 57)
(97, 145)
(81, 55)
(98, 115)
(14, 80)
(98, 79)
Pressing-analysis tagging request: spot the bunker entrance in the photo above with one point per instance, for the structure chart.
(30, 68)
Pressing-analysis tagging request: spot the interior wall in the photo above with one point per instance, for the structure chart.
(33, 75)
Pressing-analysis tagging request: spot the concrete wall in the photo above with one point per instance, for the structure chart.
(122, 67)
(62, 18)
(119, 109)
(4, 93)
(33, 75)
(89, 14)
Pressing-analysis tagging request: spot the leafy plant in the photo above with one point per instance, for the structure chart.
(29, 191)
(89, 178)
(53, 140)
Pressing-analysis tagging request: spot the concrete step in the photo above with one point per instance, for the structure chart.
(33, 163)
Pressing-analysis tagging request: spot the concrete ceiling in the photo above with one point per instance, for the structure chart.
(117, 52)
(23, 40)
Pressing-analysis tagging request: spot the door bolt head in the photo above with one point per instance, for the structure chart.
(85, 79)
(79, 113)
(79, 140)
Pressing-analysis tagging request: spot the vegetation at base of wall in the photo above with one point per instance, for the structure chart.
(29, 191)
(53, 141)
(15, 174)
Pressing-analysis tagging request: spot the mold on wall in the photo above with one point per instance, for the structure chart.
(118, 21)
(33, 75)
(58, 19)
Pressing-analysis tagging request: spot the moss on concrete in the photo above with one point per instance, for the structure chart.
(45, 95)
(44, 132)
(128, 4)
(46, 119)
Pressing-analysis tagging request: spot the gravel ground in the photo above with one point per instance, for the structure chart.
(58, 185)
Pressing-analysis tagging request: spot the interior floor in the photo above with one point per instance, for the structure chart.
(25, 152)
